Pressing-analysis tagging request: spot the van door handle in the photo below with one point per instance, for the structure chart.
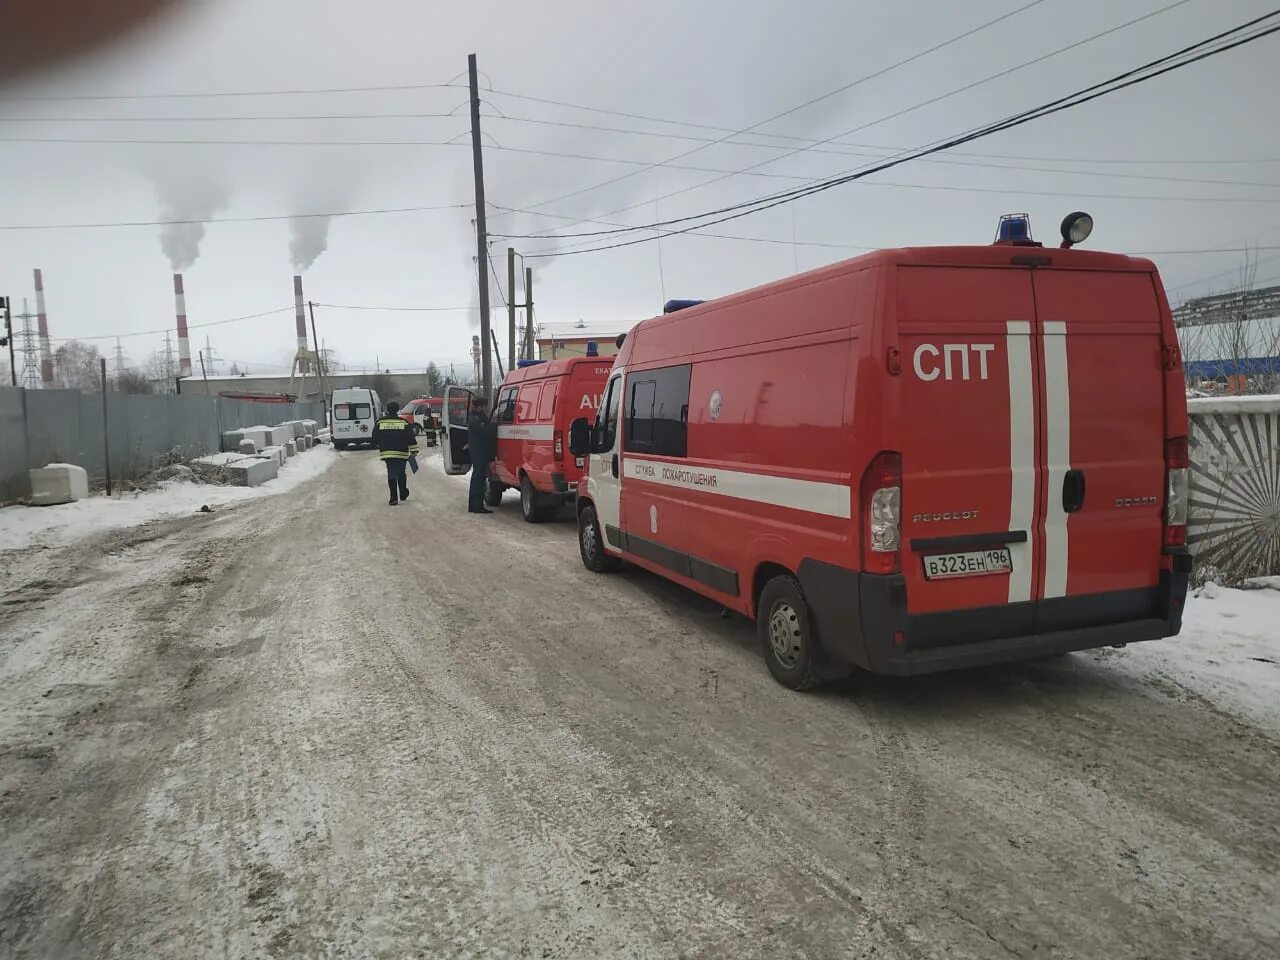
(1073, 491)
(615, 465)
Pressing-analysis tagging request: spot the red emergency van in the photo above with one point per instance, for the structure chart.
(912, 461)
(535, 405)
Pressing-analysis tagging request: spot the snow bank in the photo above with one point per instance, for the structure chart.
(56, 526)
(1228, 652)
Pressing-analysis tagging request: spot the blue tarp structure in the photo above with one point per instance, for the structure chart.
(1245, 367)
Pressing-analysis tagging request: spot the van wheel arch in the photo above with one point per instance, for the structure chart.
(765, 572)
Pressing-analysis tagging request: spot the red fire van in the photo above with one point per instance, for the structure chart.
(535, 405)
(912, 461)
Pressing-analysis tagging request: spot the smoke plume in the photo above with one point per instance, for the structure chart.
(309, 239)
(188, 201)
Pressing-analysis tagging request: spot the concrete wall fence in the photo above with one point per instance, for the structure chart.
(1234, 523)
(65, 426)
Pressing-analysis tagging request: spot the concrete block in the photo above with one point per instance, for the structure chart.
(309, 426)
(291, 449)
(231, 440)
(323, 436)
(261, 436)
(299, 429)
(247, 447)
(58, 483)
(275, 453)
(280, 434)
(240, 470)
(306, 442)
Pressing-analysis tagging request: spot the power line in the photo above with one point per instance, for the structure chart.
(224, 118)
(191, 326)
(286, 216)
(777, 116)
(834, 245)
(42, 98)
(932, 100)
(347, 306)
(1174, 61)
(885, 150)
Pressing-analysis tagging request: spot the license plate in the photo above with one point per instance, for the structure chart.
(973, 563)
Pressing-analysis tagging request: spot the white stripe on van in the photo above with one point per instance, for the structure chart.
(1022, 456)
(812, 496)
(1057, 400)
(527, 431)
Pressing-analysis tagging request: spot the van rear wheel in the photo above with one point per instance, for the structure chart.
(532, 507)
(591, 542)
(785, 629)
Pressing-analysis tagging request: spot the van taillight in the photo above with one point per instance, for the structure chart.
(558, 444)
(881, 499)
(1177, 481)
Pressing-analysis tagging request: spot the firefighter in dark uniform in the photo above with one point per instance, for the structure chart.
(396, 444)
(482, 439)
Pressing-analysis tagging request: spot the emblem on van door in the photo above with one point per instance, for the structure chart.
(1137, 501)
(715, 405)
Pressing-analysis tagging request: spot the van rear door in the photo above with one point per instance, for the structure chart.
(966, 430)
(1103, 428)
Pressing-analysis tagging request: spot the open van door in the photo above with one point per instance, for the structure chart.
(453, 421)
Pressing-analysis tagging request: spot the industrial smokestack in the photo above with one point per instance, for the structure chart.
(184, 344)
(301, 317)
(42, 319)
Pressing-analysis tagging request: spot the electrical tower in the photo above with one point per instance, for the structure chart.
(121, 360)
(30, 376)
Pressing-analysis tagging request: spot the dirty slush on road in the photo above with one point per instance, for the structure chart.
(269, 733)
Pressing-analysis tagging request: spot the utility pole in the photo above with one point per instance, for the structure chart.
(204, 374)
(320, 364)
(106, 426)
(528, 312)
(482, 236)
(8, 338)
(511, 308)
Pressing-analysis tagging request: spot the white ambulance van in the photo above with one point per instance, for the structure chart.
(353, 411)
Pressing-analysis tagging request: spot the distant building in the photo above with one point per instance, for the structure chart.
(1232, 339)
(558, 340)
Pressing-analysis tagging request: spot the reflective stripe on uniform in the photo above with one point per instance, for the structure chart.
(394, 455)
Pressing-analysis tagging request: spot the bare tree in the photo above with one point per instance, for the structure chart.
(78, 366)
(132, 381)
(435, 380)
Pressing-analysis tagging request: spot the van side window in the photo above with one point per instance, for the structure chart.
(547, 405)
(527, 402)
(607, 416)
(506, 412)
(658, 412)
(640, 412)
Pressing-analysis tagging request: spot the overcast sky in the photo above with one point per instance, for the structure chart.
(713, 63)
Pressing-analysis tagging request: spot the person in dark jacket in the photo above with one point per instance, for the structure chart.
(394, 439)
(482, 439)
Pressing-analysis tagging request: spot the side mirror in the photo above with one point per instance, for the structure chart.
(580, 437)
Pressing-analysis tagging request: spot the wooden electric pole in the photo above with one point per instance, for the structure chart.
(482, 237)
(511, 308)
(528, 312)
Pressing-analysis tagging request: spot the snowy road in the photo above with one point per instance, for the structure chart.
(312, 726)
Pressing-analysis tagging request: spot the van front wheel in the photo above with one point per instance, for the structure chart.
(493, 493)
(786, 634)
(591, 543)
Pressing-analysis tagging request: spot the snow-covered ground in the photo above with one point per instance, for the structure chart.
(1228, 652)
(22, 527)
